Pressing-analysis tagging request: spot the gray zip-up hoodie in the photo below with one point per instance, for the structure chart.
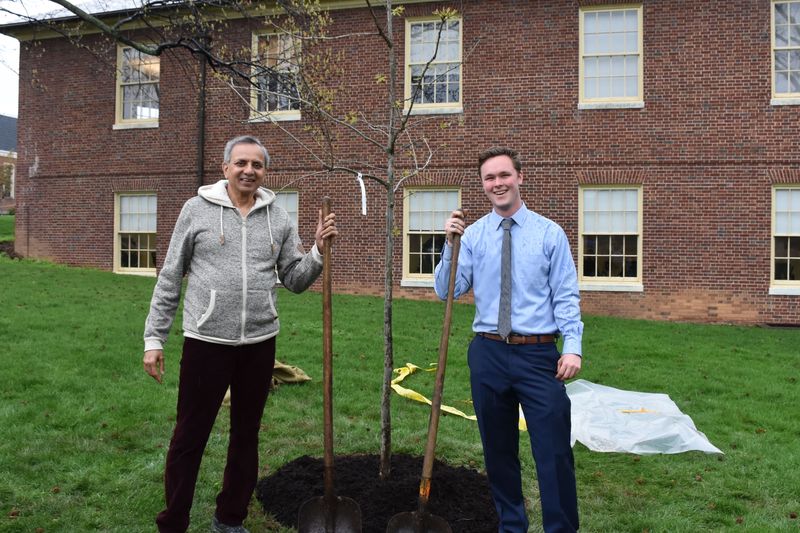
(230, 262)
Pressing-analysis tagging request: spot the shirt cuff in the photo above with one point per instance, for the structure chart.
(153, 344)
(315, 253)
(571, 346)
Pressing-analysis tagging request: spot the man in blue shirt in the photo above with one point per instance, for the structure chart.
(521, 366)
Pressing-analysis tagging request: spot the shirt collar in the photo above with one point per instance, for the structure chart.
(519, 217)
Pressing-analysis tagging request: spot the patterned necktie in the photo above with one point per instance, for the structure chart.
(504, 312)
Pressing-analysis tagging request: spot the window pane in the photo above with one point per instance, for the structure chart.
(603, 245)
(781, 36)
(781, 82)
(794, 269)
(631, 20)
(589, 245)
(589, 266)
(631, 270)
(617, 242)
(781, 13)
(631, 245)
(781, 269)
(782, 222)
(616, 267)
(794, 247)
(781, 246)
(603, 266)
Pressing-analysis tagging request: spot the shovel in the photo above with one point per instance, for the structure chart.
(421, 521)
(328, 513)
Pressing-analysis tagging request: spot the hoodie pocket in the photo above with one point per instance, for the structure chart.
(219, 313)
(262, 318)
(210, 309)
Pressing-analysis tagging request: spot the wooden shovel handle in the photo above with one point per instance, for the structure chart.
(436, 401)
(327, 360)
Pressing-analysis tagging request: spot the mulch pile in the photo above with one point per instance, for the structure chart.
(459, 495)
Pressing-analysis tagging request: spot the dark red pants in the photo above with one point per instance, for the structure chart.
(206, 372)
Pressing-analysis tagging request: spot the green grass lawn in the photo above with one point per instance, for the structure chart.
(85, 431)
(6, 227)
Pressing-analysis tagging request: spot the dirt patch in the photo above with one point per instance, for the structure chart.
(7, 247)
(459, 495)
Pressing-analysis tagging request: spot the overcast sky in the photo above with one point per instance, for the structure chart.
(9, 47)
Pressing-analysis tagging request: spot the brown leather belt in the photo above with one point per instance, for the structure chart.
(520, 339)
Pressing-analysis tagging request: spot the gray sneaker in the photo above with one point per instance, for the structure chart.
(219, 527)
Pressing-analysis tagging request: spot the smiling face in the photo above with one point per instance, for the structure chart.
(501, 183)
(245, 171)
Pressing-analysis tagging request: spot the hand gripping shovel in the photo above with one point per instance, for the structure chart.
(328, 513)
(421, 521)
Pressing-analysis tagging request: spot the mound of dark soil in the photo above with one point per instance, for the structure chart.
(458, 495)
(7, 247)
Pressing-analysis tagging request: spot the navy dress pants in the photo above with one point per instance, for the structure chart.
(206, 372)
(504, 376)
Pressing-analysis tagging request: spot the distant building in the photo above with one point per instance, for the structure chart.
(664, 137)
(8, 161)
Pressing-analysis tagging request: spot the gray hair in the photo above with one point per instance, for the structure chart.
(244, 139)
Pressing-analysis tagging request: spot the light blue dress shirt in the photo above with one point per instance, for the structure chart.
(544, 283)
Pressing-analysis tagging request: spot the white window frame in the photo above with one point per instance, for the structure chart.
(609, 283)
(126, 123)
(438, 215)
(793, 46)
(266, 115)
(610, 102)
(118, 233)
(784, 287)
(409, 91)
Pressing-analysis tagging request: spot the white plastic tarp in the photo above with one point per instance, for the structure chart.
(605, 419)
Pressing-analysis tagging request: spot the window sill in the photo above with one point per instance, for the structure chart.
(134, 125)
(145, 273)
(275, 117)
(416, 283)
(423, 110)
(611, 105)
(610, 287)
(784, 101)
(784, 291)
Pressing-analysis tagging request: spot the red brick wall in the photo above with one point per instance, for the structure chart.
(706, 148)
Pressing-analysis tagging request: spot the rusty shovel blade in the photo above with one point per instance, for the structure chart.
(342, 515)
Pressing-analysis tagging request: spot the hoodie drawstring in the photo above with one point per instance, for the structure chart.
(221, 229)
(269, 225)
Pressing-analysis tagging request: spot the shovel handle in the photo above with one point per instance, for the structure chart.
(327, 360)
(436, 401)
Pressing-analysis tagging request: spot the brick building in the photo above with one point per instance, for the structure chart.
(663, 136)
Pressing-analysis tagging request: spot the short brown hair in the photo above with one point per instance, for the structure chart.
(496, 151)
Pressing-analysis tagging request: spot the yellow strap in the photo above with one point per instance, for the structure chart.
(404, 371)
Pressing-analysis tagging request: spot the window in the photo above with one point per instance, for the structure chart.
(786, 52)
(433, 66)
(137, 88)
(786, 237)
(288, 200)
(425, 212)
(135, 230)
(611, 57)
(611, 239)
(275, 94)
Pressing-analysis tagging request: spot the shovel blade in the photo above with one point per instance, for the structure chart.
(342, 516)
(417, 522)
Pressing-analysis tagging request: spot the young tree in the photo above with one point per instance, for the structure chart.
(298, 70)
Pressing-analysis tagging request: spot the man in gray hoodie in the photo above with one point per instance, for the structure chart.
(228, 241)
